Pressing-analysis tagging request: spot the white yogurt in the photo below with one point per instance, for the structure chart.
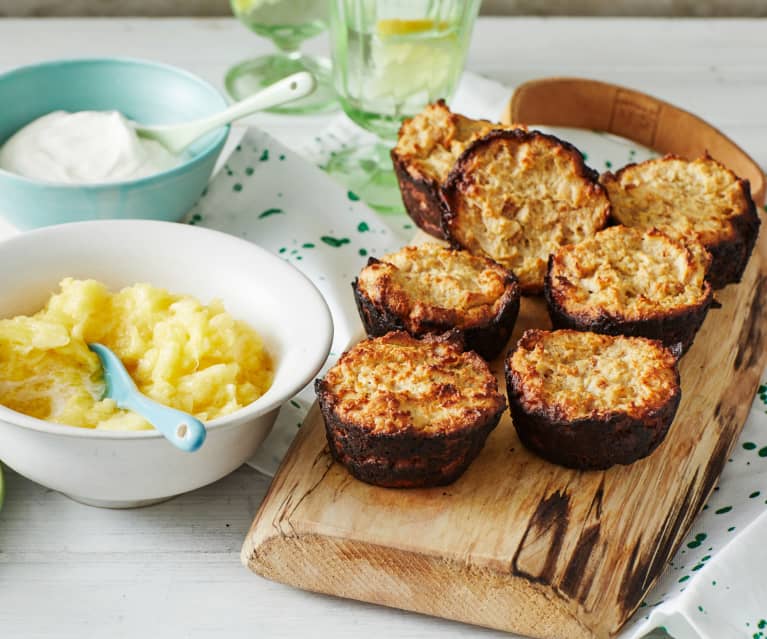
(86, 147)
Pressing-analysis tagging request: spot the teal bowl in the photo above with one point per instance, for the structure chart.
(147, 92)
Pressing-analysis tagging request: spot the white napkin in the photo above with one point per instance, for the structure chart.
(270, 195)
(716, 585)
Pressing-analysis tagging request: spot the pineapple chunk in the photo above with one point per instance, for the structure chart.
(179, 352)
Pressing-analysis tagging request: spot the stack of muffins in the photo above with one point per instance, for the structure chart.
(627, 264)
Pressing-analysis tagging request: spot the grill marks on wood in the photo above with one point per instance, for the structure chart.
(729, 422)
(643, 568)
(586, 559)
(718, 458)
(751, 342)
(538, 551)
(643, 571)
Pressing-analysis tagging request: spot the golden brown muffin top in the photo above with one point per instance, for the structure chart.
(429, 284)
(571, 375)
(630, 274)
(696, 197)
(431, 142)
(517, 196)
(398, 383)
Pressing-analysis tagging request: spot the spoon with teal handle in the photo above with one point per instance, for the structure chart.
(179, 428)
(176, 137)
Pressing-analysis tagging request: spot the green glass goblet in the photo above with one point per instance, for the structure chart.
(287, 23)
(390, 59)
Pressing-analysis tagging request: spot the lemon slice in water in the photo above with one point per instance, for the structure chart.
(412, 59)
(246, 6)
(397, 26)
(242, 6)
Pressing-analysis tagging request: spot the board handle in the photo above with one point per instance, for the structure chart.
(600, 106)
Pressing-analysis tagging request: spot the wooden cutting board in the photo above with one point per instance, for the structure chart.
(517, 543)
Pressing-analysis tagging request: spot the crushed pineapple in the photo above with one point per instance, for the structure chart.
(192, 357)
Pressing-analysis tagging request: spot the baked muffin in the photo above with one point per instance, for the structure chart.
(408, 413)
(427, 147)
(431, 289)
(628, 281)
(700, 198)
(517, 196)
(589, 401)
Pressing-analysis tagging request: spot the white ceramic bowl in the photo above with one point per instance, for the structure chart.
(126, 469)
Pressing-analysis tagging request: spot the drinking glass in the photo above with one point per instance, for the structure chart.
(287, 23)
(390, 59)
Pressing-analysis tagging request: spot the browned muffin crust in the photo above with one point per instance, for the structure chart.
(590, 401)
(427, 147)
(516, 196)
(699, 198)
(406, 413)
(431, 289)
(628, 281)
(421, 196)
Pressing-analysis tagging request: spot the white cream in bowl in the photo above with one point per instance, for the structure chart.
(85, 147)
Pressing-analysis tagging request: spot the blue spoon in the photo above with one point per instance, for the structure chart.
(179, 428)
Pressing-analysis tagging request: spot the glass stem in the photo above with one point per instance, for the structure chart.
(289, 46)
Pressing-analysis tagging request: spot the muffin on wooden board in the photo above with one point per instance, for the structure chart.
(407, 413)
(517, 196)
(699, 198)
(427, 147)
(628, 281)
(432, 289)
(590, 401)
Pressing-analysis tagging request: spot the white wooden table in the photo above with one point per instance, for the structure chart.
(173, 570)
